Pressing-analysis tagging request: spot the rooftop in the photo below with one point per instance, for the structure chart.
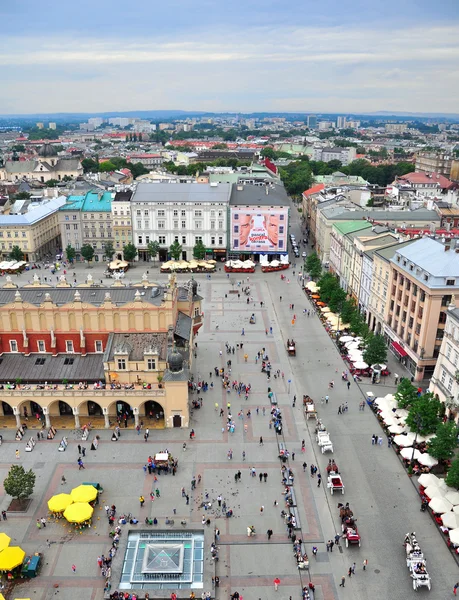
(343, 213)
(37, 213)
(426, 178)
(431, 256)
(388, 252)
(38, 368)
(182, 192)
(254, 195)
(97, 202)
(351, 226)
(136, 345)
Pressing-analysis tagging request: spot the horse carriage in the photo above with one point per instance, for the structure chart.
(350, 532)
(332, 466)
(416, 563)
(309, 407)
(291, 348)
(335, 482)
(324, 442)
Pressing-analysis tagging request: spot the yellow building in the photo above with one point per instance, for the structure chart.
(121, 221)
(36, 231)
(45, 167)
(90, 354)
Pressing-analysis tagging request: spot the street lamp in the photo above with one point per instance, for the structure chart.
(418, 421)
(289, 382)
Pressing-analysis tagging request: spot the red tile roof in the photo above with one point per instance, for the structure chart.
(314, 190)
(419, 178)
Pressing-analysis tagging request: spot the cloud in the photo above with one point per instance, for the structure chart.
(251, 69)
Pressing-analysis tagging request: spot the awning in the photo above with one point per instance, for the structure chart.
(398, 349)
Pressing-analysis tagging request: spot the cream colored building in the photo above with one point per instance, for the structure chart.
(90, 354)
(121, 221)
(45, 167)
(423, 281)
(380, 286)
(445, 380)
(36, 232)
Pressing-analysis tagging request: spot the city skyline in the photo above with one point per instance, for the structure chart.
(200, 57)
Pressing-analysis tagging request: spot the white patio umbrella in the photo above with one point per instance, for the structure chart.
(401, 412)
(384, 404)
(379, 367)
(428, 479)
(404, 440)
(434, 492)
(425, 438)
(450, 520)
(356, 356)
(441, 505)
(360, 365)
(427, 461)
(453, 497)
(352, 345)
(388, 418)
(408, 454)
(396, 429)
(346, 338)
(456, 510)
(390, 397)
(454, 535)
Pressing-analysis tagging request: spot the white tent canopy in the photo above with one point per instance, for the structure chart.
(434, 492)
(408, 453)
(454, 536)
(450, 520)
(404, 440)
(427, 461)
(428, 479)
(441, 505)
(453, 497)
(396, 429)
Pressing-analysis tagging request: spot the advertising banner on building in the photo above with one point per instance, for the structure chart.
(255, 229)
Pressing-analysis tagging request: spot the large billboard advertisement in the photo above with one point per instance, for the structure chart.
(255, 229)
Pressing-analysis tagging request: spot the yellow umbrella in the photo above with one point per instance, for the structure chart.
(77, 513)
(4, 542)
(59, 502)
(11, 557)
(84, 493)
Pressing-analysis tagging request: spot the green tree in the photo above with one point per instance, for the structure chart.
(199, 250)
(313, 266)
(22, 196)
(425, 410)
(109, 250)
(19, 483)
(406, 394)
(336, 300)
(452, 478)
(268, 153)
(137, 169)
(70, 253)
(18, 148)
(443, 445)
(89, 165)
(87, 252)
(375, 351)
(328, 285)
(107, 166)
(16, 254)
(153, 249)
(51, 182)
(129, 252)
(175, 251)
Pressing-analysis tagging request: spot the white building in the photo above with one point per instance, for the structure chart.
(181, 212)
(445, 380)
(341, 122)
(344, 155)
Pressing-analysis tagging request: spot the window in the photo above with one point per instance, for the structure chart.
(139, 213)
(175, 224)
(183, 239)
(41, 346)
(139, 224)
(162, 239)
(450, 384)
(161, 213)
(147, 239)
(161, 224)
(443, 376)
(183, 224)
(198, 213)
(121, 364)
(220, 240)
(220, 224)
(212, 224)
(13, 346)
(145, 212)
(198, 224)
(212, 240)
(98, 346)
(40, 361)
(176, 238)
(175, 213)
(69, 346)
(197, 238)
(151, 364)
(450, 282)
(183, 213)
(74, 217)
(67, 218)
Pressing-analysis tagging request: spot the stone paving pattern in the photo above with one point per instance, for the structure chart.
(381, 495)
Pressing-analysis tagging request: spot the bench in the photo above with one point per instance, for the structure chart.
(282, 447)
(296, 514)
(292, 495)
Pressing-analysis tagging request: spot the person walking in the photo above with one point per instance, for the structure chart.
(261, 440)
(319, 479)
(4, 517)
(142, 501)
(269, 533)
(305, 466)
(74, 568)
(17, 453)
(43, 521)
(353, 568)
(79, 448)
(63, 480)
(343, 581)
(38, 524)
(365, 563)
(243, 455)
(80, 464)
(261, 477)
(349, 572)
(276, 584)
(293, 455)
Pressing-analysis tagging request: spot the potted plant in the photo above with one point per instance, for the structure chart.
(410, 471)
(160, 378)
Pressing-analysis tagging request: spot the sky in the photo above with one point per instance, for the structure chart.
(345, 56)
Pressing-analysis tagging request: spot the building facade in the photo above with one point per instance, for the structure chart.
(45, 167)
(36, 232)
(121, 221)
(445, 380)
(434, 162)
(98, 354)
(423, 280)
(180, 212)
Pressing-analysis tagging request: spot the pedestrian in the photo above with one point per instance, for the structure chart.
(353, 568)
(379, 441)
(261, 441)
(319, 480)
(365, 563)
(261, 477)
(305, 466)
(243, 455)
(265, 476)
(79, 448)
(349, 573)
(83, 451)
(277, 580)
(4, 517)
(269, 533)
(343, 581)
(142, 501)
(187, 499)
(348, 384)
(332, 543)
(17, 453)
(38, 524)
(73, 568)
(373, 440)
(293, 455)
(43, 521)
(262, 508)
(328, 546)
(337, 539)
(63, 480)
(100, 562)
(339, 410)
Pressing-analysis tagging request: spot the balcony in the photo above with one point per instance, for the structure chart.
(62, 391)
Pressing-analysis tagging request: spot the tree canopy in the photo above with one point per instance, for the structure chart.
(109, 250)
(375, 351)
(423, 415)
(153, 249)
(313, 266)
(443, 445)
(70, 253)
(16, 254)
(175, 251)
(19, 483)
(452, 477)
(199, 250)
(129, 252)
(406, 394)
(87, 252)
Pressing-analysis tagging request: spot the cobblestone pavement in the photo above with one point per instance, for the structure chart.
(381, 496)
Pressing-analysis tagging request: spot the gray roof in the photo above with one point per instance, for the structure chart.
(432, 257)
(454, 314)
(93, 295)
(135, 345)
(27, 166)
(183, 326)
(342, 213)
(388, 252)
(181, 192)
(254, 195)
(183, 375)
(41, 211)
(54, 369)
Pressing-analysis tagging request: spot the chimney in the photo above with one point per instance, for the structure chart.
(267, 190)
